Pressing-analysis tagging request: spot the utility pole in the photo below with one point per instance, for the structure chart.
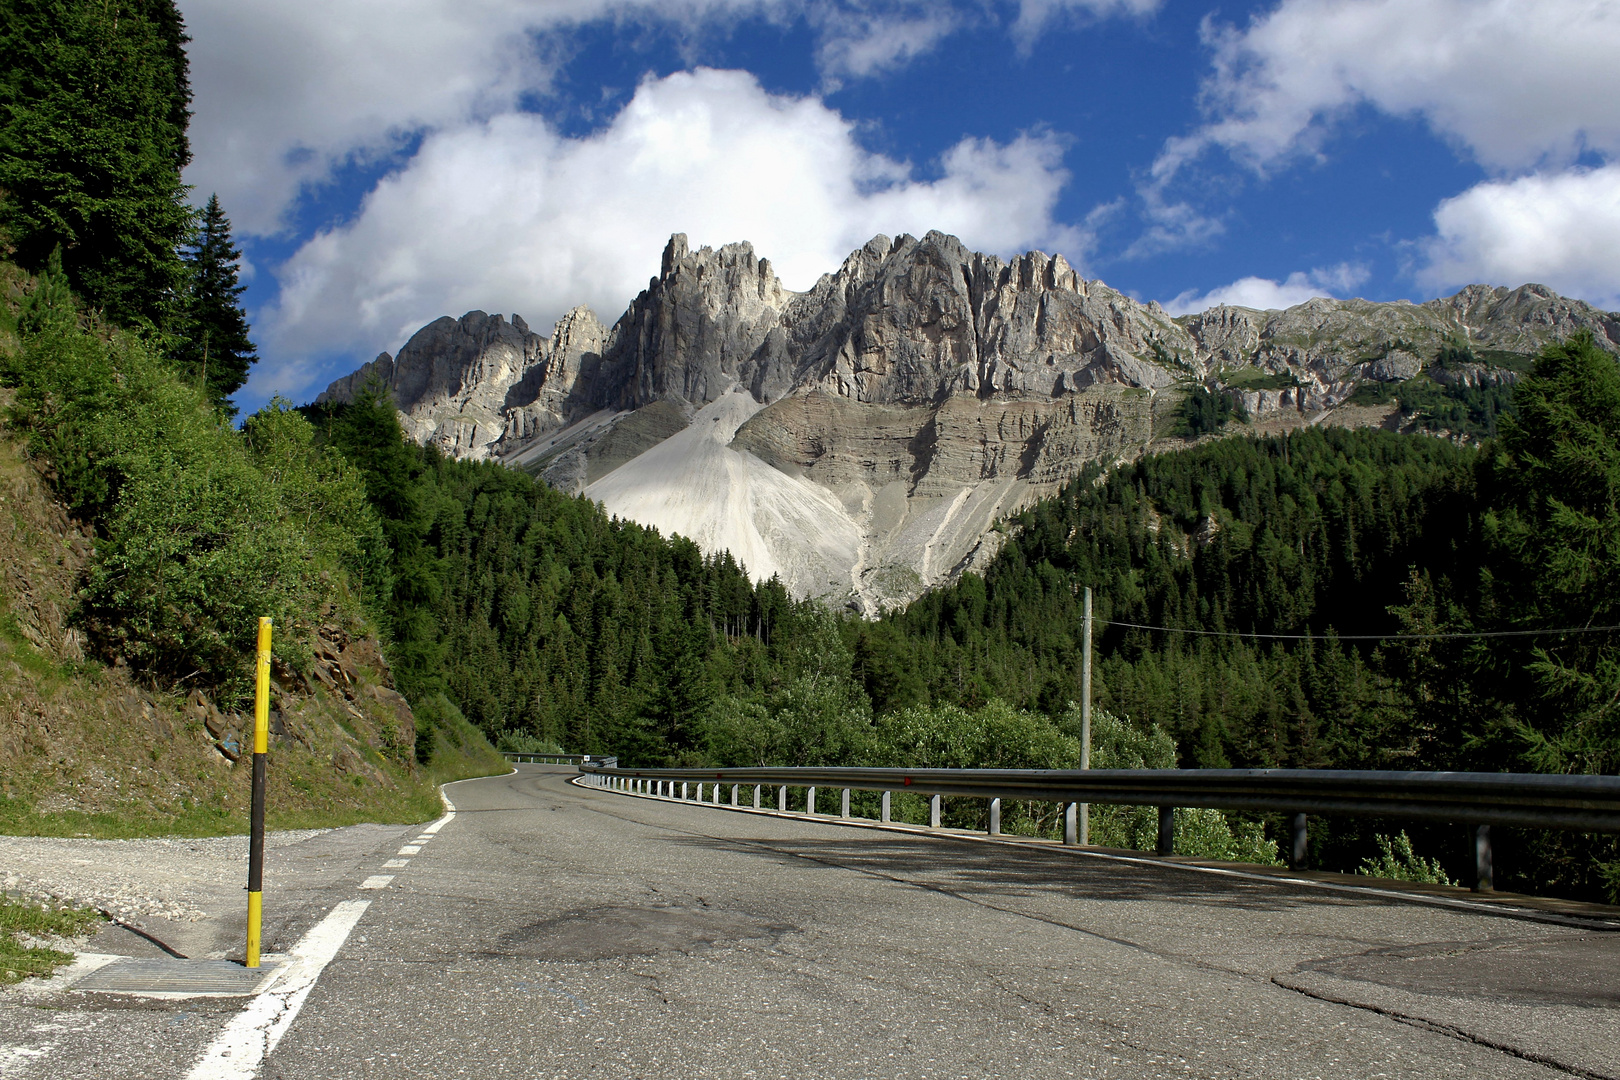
(1085, 714)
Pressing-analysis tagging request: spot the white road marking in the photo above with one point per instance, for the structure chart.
(410, 849)
(377, 881)
(253, 1033)
(396, 864)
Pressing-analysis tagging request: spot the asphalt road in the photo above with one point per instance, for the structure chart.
(550, 930)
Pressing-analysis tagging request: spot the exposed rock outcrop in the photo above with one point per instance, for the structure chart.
(920, 391)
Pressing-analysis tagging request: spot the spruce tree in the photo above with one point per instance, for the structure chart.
(94, 103)
(214, 349)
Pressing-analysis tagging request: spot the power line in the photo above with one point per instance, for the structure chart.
(1364, 637)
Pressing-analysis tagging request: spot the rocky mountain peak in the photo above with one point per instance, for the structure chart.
(921, 390)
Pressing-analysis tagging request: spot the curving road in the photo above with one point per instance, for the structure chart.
(550, 930)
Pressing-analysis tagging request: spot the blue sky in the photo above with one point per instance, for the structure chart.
(389, 161)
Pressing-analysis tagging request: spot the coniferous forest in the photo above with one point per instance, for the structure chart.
(1251, 594)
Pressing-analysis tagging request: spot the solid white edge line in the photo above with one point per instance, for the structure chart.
(238, 1051)
(450, 807)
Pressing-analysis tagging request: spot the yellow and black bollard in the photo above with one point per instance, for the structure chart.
(261, 749)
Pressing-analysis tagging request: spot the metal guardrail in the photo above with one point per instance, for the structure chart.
(1583, 803)
(518, 757)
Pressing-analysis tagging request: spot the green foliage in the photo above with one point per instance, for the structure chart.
(18, 961)
(1426, 405)
(94, 102)
(442, 732)
(1119, 744)
(211, 340)
(1398, 862)
(519, 742)
(1206, 412)
(536, 615)
(1554, 555)
(1309, 534)
(201, 529)
(992, 736)
(1256, 378)
(1474, 411)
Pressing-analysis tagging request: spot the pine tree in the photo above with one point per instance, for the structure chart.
(214, 349)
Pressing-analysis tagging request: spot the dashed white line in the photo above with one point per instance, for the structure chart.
(377, 881)
(396, 864)
(253, 1033)
(411, 849)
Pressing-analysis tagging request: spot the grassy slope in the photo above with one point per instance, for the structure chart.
(84, 751)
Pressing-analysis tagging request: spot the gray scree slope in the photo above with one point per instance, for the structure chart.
(906, 401)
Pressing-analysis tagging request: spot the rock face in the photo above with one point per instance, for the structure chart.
(860, 439)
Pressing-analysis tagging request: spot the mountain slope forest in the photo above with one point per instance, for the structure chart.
(1320, 537)
(425, 604)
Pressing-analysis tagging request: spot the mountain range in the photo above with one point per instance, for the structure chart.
(863, 438)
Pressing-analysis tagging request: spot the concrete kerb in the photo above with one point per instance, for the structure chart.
(1502, 905)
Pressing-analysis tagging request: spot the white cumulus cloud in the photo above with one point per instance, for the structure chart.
(1269, 294)
(1516, 83)
(508, 215)
(289, 90)
(1517, 86)
(1557, 229)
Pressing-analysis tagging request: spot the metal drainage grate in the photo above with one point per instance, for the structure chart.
(166, 976)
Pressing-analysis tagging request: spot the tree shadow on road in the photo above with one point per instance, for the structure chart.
(982, 871)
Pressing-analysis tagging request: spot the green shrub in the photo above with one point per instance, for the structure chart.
(1398, 862)
(201, 529)
(521, 742)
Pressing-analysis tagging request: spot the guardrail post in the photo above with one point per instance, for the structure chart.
(810, 801)
(781, 798)
(1071, 823)
(756, 795)
(843, 804)
(885, 817)
(995, 817)
(734, 788)
(933, 811)
(1167, 830)
(1299, 843)
(683, 789)
(1484, 873)
(715, 797)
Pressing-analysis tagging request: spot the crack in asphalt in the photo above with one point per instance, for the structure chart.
(1447, 1030)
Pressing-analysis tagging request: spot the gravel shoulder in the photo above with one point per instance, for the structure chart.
(187, 893)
